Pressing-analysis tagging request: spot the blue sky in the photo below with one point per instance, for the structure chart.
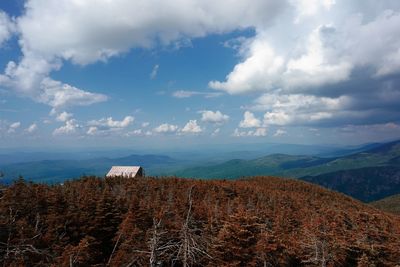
(145, 73)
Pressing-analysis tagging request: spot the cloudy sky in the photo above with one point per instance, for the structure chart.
(179, 72)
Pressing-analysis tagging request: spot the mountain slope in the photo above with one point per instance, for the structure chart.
(271, 165)
(366, 184)
(389, 204)
(387, 154)
(253, 222)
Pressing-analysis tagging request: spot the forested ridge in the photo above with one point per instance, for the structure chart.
(263, 221)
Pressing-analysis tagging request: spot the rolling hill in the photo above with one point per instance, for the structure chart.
(387, 154)
(366, 184)
(388, 204)
(367, 175)
(263, 221)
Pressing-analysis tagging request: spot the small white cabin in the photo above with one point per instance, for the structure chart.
(126, 171)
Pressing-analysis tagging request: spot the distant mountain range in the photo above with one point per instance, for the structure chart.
(367, 175)
(53, 171)
(370, 173)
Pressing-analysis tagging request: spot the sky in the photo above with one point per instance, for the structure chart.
(177, 73)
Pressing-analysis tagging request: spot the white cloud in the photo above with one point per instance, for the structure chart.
(32, 128)
(70, 127)
(249, 121)
(59, 95)
(308, 8)
(192, 127)
(111, 123)
(299, 108)
(138, 132)
(258, 132)
(13, 127)
(338, 41)
(166, 128)
(216, 132)
(145, 124)
(213, 116)
(187, 94)
(154, 72)
(297, 102)
(7, 27)
(29, 78)
(298, 49)
(85, 32)
(264, 69)
(279, 132)
(92, 130)
(64, 116)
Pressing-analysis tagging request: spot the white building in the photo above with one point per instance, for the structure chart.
(126, 171)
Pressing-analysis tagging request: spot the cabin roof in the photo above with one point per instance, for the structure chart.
(123, 171)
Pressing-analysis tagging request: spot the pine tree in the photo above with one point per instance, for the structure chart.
(237, 239)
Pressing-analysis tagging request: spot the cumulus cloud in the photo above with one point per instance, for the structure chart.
(187, 94)
(258, 132)
(32, 128)
(191, 127)
(279, 132)
(166, 128)
(111, 123)
(7, 27)
(13, 127)
(108, 125)
(213, 116)
(216, 132)
(84, 32)
(334, 57)
(249, 121)
(329, 55)
(299, 109)
(92, 130)
(139, 132)
(70, 127)
(326, 46)
(64, 116)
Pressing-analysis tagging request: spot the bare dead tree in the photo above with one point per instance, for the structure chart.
(14, 248)
(190, 246)
(320, 250)
(114, 248)
(157, 247)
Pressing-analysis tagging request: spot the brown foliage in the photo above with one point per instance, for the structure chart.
(261, 221)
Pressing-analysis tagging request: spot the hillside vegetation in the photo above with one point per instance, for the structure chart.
(389, 204)
(262, 221)
(366, 184)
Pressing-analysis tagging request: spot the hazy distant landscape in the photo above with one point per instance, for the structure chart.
(368, 173)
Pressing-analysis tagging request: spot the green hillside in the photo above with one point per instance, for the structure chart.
(366, 184)
(298, 166)
(271, 165)
(389, 204)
